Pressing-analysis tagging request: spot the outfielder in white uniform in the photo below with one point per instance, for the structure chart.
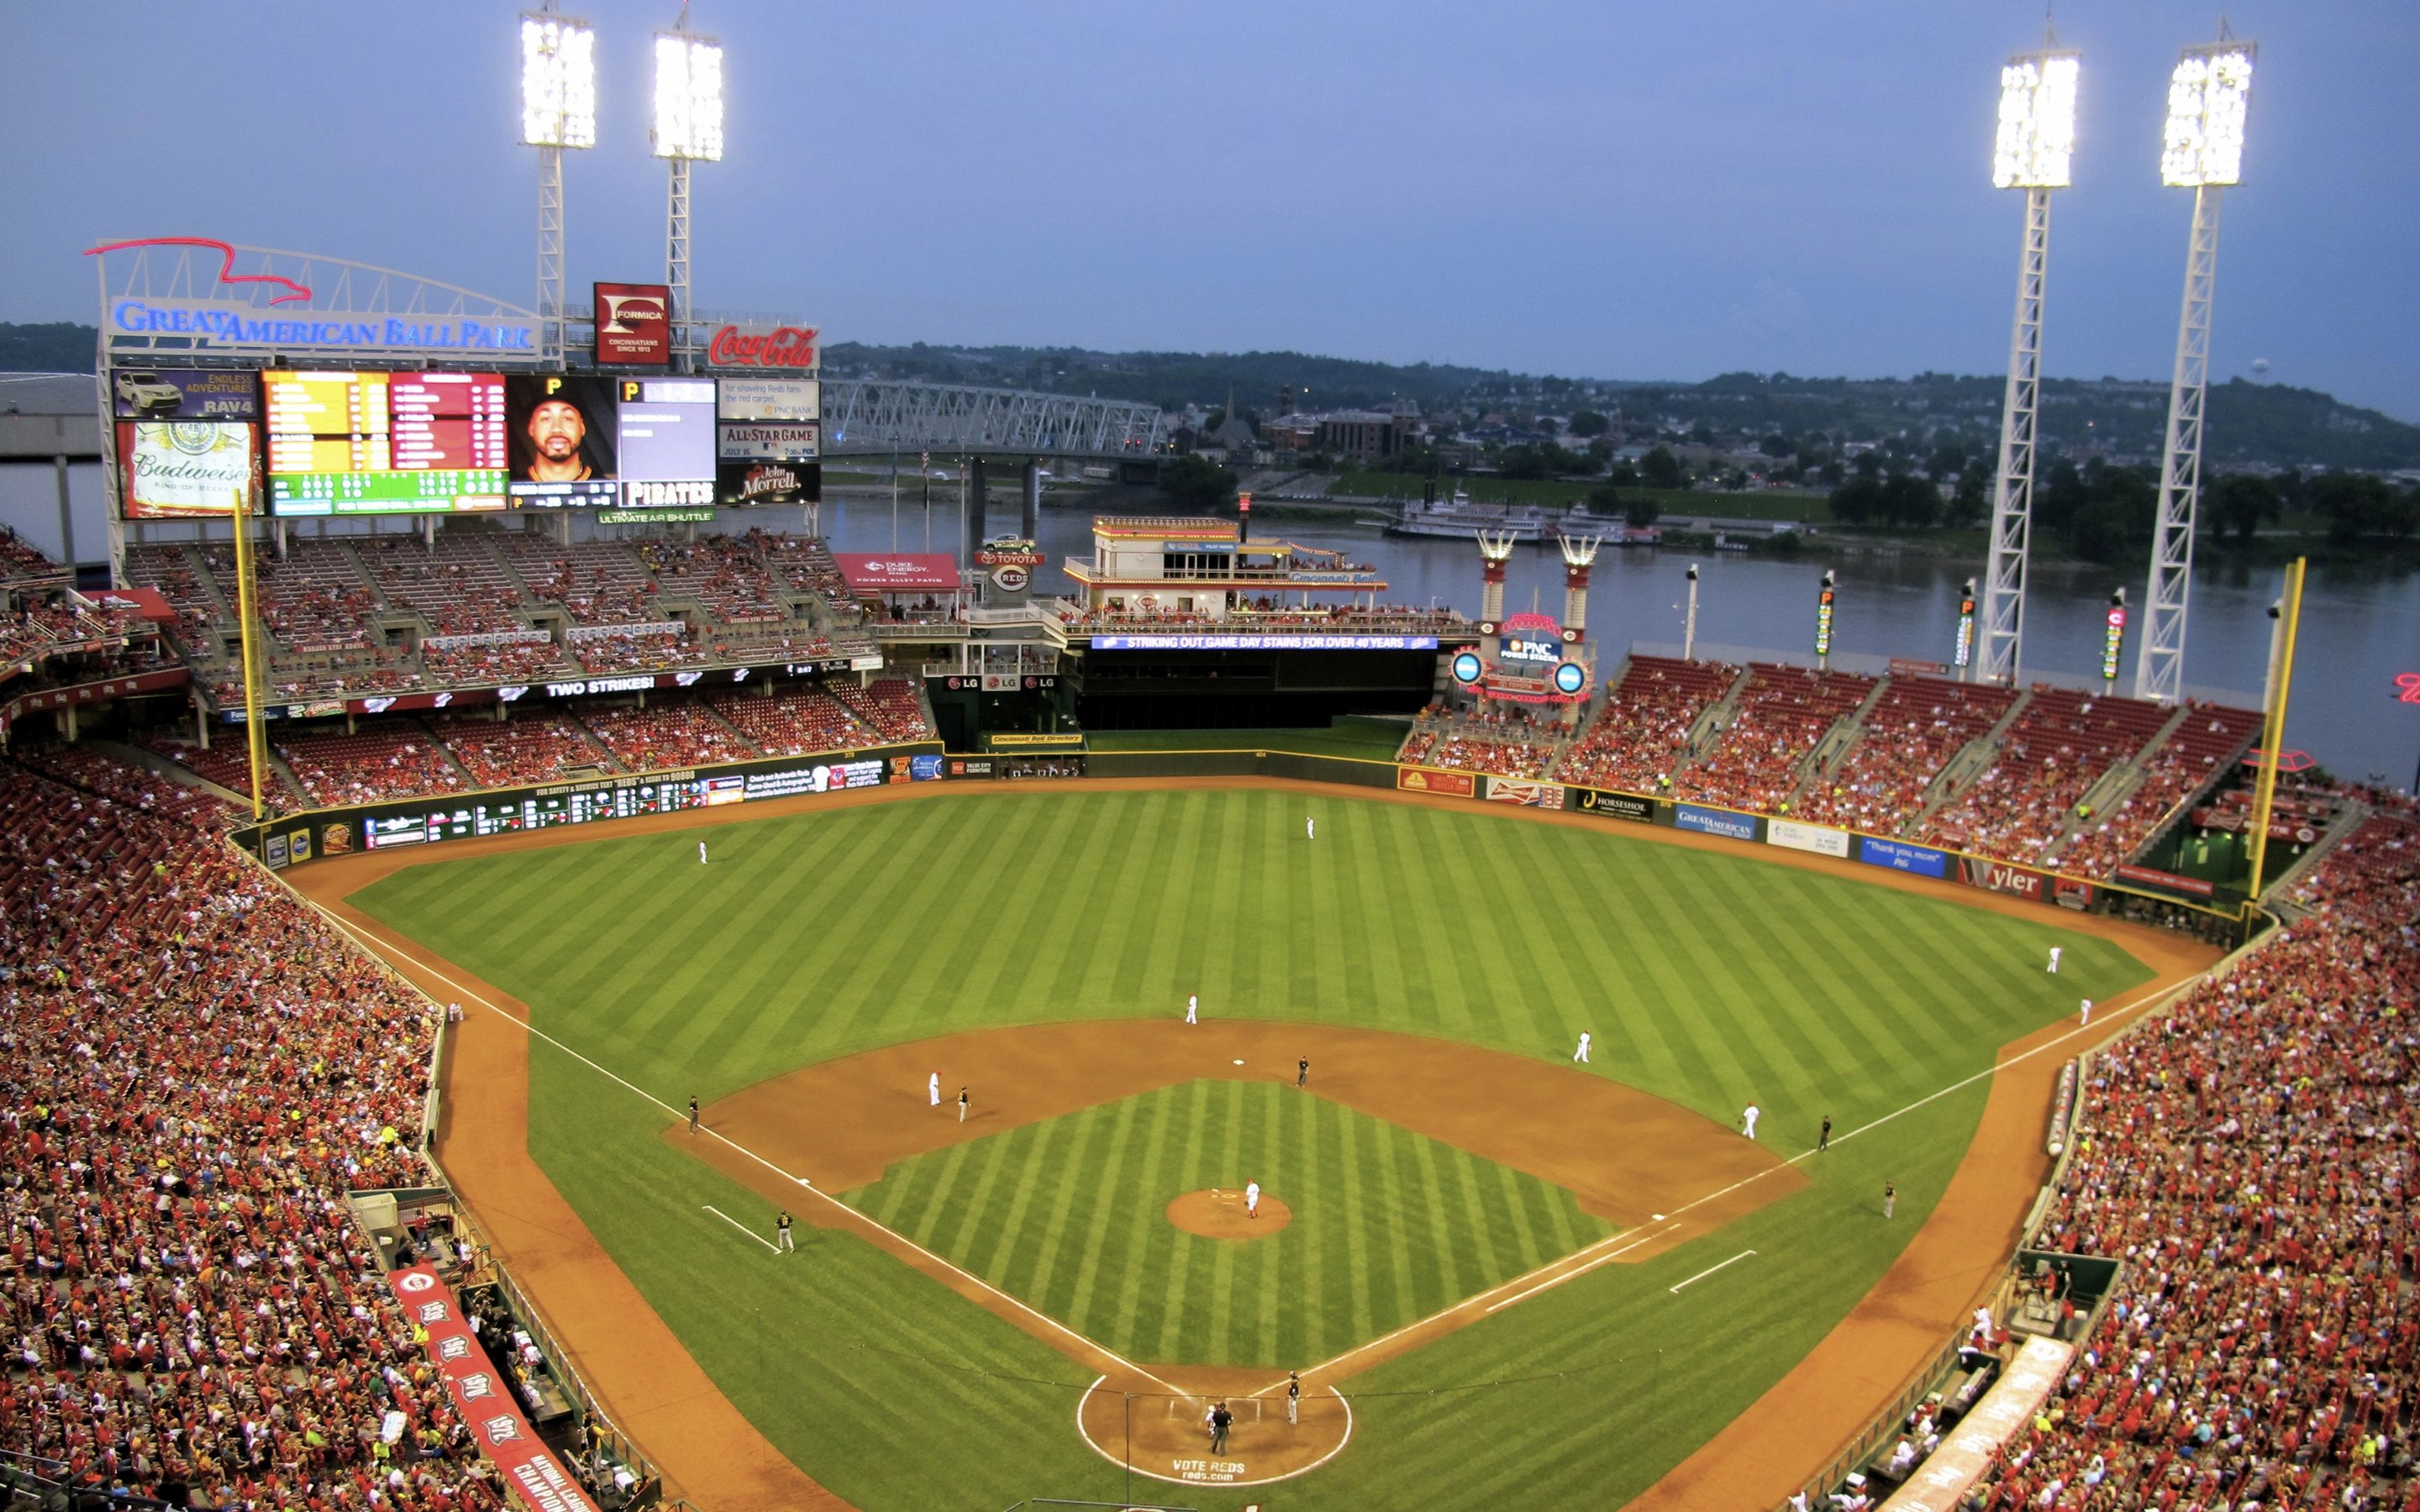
(1251, 1200)
(1747, 1120)
(1581, 1053)
(2054, 960)
(933, 1087)
(1310, 828)
(701, 852)
(1192, 1008)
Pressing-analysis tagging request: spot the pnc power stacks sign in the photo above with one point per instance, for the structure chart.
(634, 325)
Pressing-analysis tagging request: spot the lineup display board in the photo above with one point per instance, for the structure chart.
(384, 443)
(666, 428)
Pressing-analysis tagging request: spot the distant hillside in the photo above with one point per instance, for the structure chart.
(2251, 425)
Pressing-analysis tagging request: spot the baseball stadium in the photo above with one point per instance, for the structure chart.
(539, 978)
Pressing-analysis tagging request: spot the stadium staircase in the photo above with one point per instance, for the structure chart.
(1960, 772)
(1832, 749)
(1712, 722)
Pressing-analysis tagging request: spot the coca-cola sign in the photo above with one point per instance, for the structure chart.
(786, 348)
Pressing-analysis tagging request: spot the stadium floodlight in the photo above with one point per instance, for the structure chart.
(2032, 150)
(558, 111)
(2037, 136)
(689, 97)
(2207, 96)
(558, 82)
(2202, 150)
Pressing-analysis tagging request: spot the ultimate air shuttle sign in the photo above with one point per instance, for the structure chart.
(230, 326)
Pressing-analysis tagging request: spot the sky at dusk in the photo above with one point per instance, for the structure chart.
(1615, 190)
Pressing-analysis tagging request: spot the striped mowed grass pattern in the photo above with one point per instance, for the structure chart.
(1708, 977)
(1069, 1214)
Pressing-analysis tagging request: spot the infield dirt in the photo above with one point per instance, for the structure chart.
(713, 1455)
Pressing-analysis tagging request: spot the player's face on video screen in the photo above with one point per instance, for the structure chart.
(556, 429)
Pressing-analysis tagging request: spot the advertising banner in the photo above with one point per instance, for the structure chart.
(1527, 794)
(181, 468)
(1821, 840)
(1265, 642)
(184, 393)
(1628, 806)
(1713, 822)
(873, 572)
(227, 325)
(755, 398)
(738, 485)
(1430, 780)
(772, 441)
(1953, 1468)
(1999, 876)
(2168, 881)
(634, 325)
(1921, 860)
(483, 1394)
(768, 349)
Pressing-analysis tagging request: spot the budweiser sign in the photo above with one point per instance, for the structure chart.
(783, 346)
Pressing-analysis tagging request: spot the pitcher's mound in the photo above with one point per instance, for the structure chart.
(1218, 1213)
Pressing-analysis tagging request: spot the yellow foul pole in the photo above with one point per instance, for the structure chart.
(2264, 792)
(254, 738)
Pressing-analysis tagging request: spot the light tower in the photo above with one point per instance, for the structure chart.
(2204, 152)
(558, 111)
(1495, 550)
(1579, 554)
(2031, 152)
(688, 129)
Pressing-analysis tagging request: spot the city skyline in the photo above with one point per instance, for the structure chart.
(1552, 192)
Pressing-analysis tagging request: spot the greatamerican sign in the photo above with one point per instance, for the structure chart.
(223, 326)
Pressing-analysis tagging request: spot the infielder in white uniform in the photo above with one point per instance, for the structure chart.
(1251, 1200)
(2088, 1010)
(1747, 1120)
(933, 1087)
(1192, 1008)
(1581, 1053)
(2054, 960)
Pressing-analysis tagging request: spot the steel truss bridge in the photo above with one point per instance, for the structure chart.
(864, 417)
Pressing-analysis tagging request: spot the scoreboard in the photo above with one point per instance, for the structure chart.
(383, 443)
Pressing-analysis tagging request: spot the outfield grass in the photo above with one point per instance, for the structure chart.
(1388, 1225)
(1709, 977)
(1375, 740)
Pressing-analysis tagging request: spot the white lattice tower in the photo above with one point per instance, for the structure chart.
(1579, 554)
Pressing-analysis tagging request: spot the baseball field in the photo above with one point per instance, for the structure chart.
(1504, 1276)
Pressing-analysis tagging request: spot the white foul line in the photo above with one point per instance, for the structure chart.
(1712, 1269)
(742, 1228)
(369, 944)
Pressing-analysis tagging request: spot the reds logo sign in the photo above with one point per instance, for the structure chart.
(793, 347)
(634, 325)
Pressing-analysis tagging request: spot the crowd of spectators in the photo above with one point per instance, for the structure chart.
(798, 721)
(532, 748)
(1505, 739)
(891, 705)
(654, 650)
(2202, 750)
(196, 1074)
(186, 586)
(2063, 742)
(455, 585)
(2251, 1157)
(1911, 734)
(725, 574)
(393, 758)
(1783, 716)
(1642, 732)
(500, 662)
(22, 562)
(667, 735)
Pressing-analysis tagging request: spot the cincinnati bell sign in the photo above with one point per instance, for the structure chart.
(767, 349)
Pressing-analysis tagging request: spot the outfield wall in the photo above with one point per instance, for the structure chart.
(317, 834)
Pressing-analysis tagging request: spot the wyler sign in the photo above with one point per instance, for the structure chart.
(783, 349)
(634, 325)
